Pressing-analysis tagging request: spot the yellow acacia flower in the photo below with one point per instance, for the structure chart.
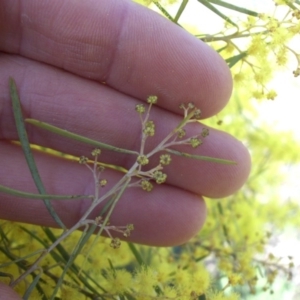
(119, 281)
(271, 95)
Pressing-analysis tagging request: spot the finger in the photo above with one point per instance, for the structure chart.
(131, 48)
(100, 113)
(6, 293)
(163, 217)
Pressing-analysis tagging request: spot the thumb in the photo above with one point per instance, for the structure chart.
(7, 293)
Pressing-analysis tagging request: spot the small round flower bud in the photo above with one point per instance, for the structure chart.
(98, 220)
(191, 105)
(181, 133)
(115, 243)
(127, 231)
(146, 185)
(195, 142)
(100, 168)
(142, 160)
(140, 108)
(205, 132)
(159, 177)
(165, 159)
(103, 182)
(271, 95)
(83, 160)
(96, 152)
(197, 114)
(296, 72)
(152, 99)
(149, 128)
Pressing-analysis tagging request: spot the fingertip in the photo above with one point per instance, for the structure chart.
(170, 63)
(162, 218)
(226, 179)
(7, 293)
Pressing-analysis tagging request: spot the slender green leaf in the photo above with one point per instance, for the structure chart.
(220, 208)
(235, 59)
(180, 10)
(63, 256)
(221, 49)
(17, 193)
(201, 258)
(69, 263)
(129, 297)
(20, 259)
(163, 10)
(112, 203)
(111, 266)
(75, 285)
(107, 206)
(32, 286)
(56, 255)
(224, 228)
(83, 276)
(136, 254)
(202, 297)
(200, 157)
(42, 241)
(216, 11)
(105, 209)
(236, 8)
(84, 238)
(292, 6)
(2, 274)
(27, 151)
(77, 137)
(4, 240)
(23, 265)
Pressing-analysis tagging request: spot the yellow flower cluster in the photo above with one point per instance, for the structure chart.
(106, 270)
(265, 49)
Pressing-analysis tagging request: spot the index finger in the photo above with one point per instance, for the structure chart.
(123, 44)
(7, 293)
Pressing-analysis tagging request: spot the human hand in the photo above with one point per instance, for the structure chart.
(59, 54)
(6, 293)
